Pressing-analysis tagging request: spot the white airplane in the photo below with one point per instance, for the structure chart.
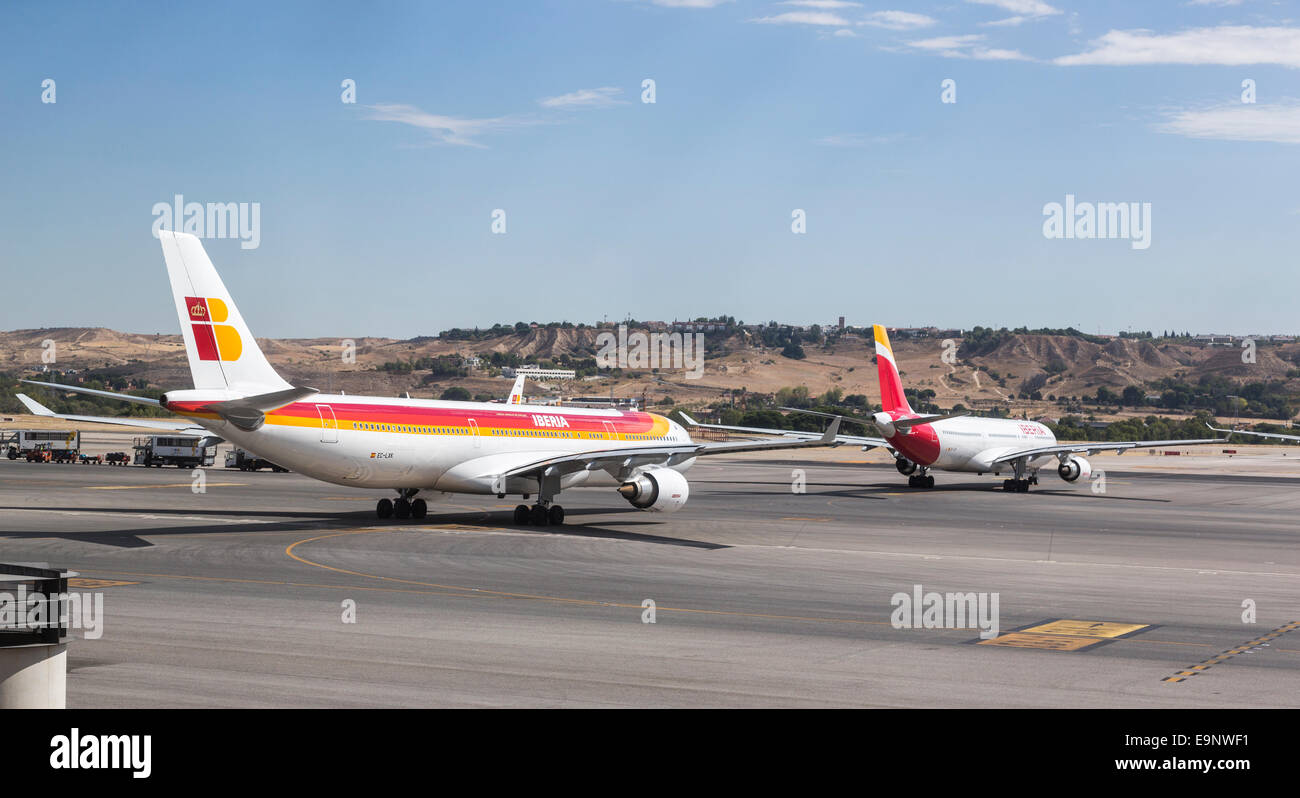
(407, 445)
(958, 442)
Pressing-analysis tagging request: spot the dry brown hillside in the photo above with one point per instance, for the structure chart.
(1071, 366)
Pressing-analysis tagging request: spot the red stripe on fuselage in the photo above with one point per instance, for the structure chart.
(624, 423)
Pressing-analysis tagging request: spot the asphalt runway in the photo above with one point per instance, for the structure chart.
(763, 596)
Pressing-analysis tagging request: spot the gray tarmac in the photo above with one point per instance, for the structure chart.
(236, 597)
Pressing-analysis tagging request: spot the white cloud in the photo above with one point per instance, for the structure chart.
(585, 98)
(1029, 8)
(1214, 2)
(1230, 45)
(899, 20)
(822, 4)
(804, 18)
(446, 129)
(844, 33)
(1277, 122)
(689, 3)
(1022, 10)
(970, 45)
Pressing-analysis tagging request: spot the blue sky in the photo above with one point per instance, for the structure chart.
(376, 215)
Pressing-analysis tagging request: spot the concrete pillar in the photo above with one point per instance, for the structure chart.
(34, 676)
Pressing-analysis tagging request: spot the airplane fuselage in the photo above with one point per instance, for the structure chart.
(453, 447)
(970, 443)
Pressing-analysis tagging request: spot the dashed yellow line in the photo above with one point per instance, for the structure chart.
(1227, 654)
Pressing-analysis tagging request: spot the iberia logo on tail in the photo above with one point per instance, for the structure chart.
(214, 340)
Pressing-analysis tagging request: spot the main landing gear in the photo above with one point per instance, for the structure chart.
(403, 507)
(539, 515)
(1020, 482)
(920, 480)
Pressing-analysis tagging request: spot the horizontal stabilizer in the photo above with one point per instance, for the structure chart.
(125, 397)
(249, 412)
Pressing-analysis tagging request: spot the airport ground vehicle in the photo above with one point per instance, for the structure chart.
(245, 460)
(90, 459)
(56, 441)
(41, 454)
(406, 445)
(182, 451)
(117, 458)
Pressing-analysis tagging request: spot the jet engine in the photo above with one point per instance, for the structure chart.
(905, 467)
(659, 490)
(1074, 469)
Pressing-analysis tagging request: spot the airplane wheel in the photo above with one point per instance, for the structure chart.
(1006, 485)
(929, 481)
(522, 515)
(555, 515)
(384, 509)
(538, 515)
(1024, 486)
(419, 508)
(401, 509)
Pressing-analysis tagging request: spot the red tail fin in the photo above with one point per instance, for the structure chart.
(891, 386)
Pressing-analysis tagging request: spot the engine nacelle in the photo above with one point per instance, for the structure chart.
(905, 467)
(1074, 469)
(658, 490)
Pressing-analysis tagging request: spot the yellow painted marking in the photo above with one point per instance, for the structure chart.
(1103, 629)
(1050, 642)
(169, 485)
(81, 581)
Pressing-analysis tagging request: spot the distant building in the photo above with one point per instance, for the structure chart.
(1213, 340)
(600, 401)
(538, 373)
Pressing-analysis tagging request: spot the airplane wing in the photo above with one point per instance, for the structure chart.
(1093, 448)
(1276, 435)
(39, 409)
(621, 462)
(854, 440)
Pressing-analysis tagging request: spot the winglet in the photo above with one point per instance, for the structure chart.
(690, 422)
(832, 431)
(36, 407)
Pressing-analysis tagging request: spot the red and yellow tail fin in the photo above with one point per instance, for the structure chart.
(222, 352)
(891, 385)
